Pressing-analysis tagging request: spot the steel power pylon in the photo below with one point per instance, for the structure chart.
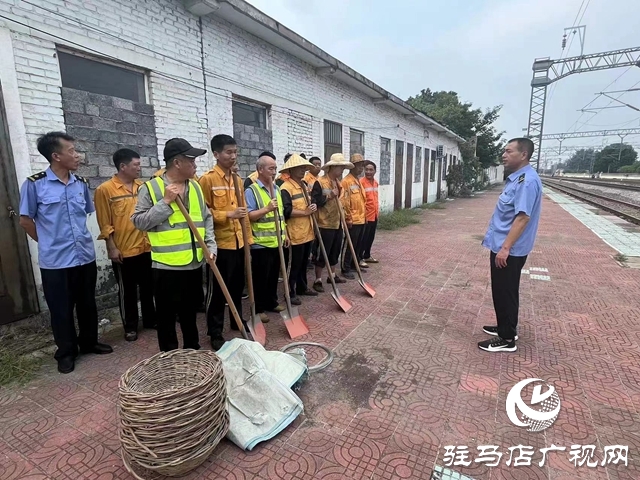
(547, 71)
(592, 133)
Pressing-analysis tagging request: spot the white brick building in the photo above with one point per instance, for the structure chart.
(202, 67)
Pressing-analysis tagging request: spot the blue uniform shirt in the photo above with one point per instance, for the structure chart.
(60, 214)
(522, 194)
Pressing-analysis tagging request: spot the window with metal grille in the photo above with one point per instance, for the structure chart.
(417, 172)
(81, 73)
(356, 141)
(432, 167)
(332, 139)
(385, 161)
(250, 114)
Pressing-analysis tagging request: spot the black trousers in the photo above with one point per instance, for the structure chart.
(131, 274)
(231, 266)
(332, 241)
(265, 267)
(66, 289)
(368, 237)
(505, 289)
(177, 298)
(298, 274)
(355, 232)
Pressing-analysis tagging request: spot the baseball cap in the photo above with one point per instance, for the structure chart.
(179, 146)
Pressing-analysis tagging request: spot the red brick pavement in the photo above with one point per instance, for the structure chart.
(408, 378)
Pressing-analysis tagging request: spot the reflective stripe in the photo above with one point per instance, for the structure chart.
(297, 196)
(371, 189)
(327, 191)
(265, 233)
(171, 248)
(157, 192)
(224, 187)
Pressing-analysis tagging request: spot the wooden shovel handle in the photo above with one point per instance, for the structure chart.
(212, 264)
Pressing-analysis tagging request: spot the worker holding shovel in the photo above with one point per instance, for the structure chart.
(176, 256)
(324, 191)
(299, 225)
(262, 199)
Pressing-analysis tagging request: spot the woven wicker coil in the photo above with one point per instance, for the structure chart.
(172, 412)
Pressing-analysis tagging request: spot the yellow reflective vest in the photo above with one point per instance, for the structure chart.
(264, 229)
(172, 242)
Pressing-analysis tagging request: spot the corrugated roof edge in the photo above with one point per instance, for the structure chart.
(265, 21)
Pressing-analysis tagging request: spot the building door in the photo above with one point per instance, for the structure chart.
(408, 183)
(332, 139)
(18, 297)
(426, 170)
(397, 194)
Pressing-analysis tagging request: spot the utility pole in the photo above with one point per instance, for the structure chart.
(620, 149)
(547, 71)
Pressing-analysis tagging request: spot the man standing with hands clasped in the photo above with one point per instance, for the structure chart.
(510, 237)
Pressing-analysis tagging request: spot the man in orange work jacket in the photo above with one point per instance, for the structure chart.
(354, 211)
(128, 248)
(220, 195)
(299, 225)
(372, 210)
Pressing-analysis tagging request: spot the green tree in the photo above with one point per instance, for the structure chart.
(581, 160)
(466, 121)
(635, 168)
(614, 156)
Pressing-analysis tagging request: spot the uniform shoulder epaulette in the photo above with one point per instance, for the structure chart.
(82, 179)
(37, 176)
(521, 178)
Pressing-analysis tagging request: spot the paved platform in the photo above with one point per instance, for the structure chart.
(408, 379)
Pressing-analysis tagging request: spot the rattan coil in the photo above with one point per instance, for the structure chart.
(172, 411)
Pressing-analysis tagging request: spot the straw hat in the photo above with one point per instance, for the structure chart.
(296, 160)
(357, 158)
(337, 160)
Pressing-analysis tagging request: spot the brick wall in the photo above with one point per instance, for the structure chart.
(103, 124)
(252, 141)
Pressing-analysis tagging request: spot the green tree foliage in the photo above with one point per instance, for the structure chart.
(607, 158)
(447, 109)
(580, 161)
(635, 168)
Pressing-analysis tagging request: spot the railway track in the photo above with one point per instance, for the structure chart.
(602, 183)
(627, 210)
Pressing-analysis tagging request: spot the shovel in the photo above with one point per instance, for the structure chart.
(339, 299)
(296, 326)
(368, 288)
(256, 328)
(214, 268)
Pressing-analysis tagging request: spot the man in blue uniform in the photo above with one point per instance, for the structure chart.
(54, 205)
(510, 237)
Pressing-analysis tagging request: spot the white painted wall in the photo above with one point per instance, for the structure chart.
(163, 38)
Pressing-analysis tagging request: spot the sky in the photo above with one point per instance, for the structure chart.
(483, 50)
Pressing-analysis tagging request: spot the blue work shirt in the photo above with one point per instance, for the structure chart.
(252, 202)
(522, 194)
(60, 214)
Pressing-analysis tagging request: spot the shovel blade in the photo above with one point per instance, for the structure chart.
(295, 324)
(342, 302)
(368, 288)
(257, 330)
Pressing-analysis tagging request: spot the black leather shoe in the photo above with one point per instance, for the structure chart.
(66, 365)
(131, 336)
(98, 348)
